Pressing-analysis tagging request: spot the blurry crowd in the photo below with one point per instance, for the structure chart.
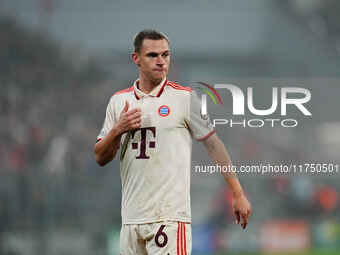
(49, 121)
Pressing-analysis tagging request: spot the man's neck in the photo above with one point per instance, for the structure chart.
(146, 86)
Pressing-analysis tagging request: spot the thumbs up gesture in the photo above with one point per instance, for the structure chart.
(129, 119)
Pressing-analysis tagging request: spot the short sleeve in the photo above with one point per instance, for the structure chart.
(199, 125)
(108, 122)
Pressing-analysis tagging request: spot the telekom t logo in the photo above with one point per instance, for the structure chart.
(142, 150)
(238, 100)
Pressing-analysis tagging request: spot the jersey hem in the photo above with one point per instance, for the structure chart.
(145, 221)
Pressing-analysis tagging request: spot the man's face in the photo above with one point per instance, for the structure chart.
(153, 60)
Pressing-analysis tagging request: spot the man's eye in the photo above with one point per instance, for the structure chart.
(153, 55)
(165, 54)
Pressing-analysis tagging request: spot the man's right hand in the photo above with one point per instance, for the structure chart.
(106, 149)
(129, 120)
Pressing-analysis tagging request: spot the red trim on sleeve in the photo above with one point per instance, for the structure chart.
(99, 139)
(124, 91)
(206, 136)
(179, 87)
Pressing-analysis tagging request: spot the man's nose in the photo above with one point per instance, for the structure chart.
(160, 61)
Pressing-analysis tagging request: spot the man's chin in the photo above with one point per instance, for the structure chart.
(158, 78)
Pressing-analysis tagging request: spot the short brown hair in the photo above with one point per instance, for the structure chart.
(147, 34)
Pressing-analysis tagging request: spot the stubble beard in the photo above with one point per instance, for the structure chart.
(156, 80)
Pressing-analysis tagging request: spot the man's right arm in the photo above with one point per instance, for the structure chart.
(105, 150)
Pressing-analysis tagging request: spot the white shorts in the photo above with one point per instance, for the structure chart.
(164, 238)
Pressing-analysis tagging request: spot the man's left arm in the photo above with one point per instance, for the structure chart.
(220, 156)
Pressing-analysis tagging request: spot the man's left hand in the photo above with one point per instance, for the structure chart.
(241, 210)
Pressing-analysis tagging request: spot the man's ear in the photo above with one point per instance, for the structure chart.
(135, 58)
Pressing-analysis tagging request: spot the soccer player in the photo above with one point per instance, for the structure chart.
(153, 122)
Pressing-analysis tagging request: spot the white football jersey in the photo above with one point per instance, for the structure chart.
(155, 162)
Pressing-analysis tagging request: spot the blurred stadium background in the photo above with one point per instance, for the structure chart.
(60, 61)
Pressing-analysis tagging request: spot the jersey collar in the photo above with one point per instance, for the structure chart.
(156, 92)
